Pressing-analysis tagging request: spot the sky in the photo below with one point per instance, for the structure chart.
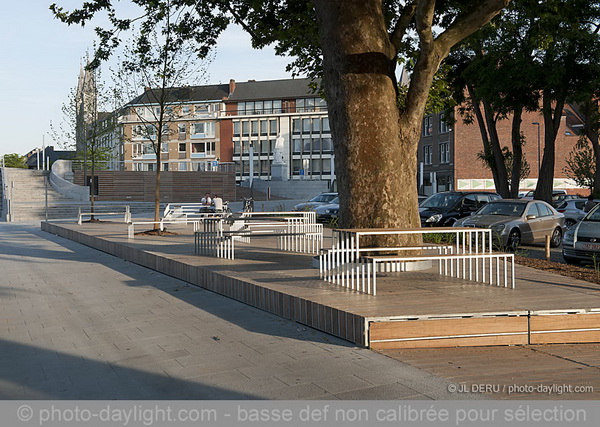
(40, 59)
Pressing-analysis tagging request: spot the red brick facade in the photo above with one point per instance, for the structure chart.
(465, 144)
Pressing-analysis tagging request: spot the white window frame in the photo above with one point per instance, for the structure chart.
(444, 152)
(428, 154)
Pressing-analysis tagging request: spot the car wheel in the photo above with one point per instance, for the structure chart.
(570, 223)
(514, 239)
(556, 238)
(573, 261)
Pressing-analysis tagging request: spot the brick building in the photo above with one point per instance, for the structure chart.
(191, 134)
(448, 154)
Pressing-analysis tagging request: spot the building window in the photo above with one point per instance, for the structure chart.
(181, 128)
(201, 109)
(182, 148)
(148, 148)
(203, 130)
(203, 149)
(308, 105)
(182, 166)
(236, 128)
(427, 155)
(444, 152)
(185, 109)
(136, 150)
(444, 127)
(427, 126)
(273, 127)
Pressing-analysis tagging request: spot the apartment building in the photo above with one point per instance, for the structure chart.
(190, 133)
(257, 113)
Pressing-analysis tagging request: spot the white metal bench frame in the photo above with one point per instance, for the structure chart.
(161, 225)
(294, 234)
(126, 214)
(345, 264)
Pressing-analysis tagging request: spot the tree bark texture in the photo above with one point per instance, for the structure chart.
(497, 163)
(590, 125)
(552, 111)
(517, 158)
(375, 159)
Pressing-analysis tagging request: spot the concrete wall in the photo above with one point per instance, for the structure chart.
(297, 190)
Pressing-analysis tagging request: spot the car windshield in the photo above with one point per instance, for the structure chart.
(441, 200)
(323, 198)
(502, 208)
(335, 201)
(594, 215)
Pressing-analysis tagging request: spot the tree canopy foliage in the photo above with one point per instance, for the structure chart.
(536, 56)
(14, 160)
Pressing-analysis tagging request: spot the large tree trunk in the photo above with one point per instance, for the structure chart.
(552, 119)
(375, 159)
(375, 143)
(497, 160)
(517, 158)
(590, 125)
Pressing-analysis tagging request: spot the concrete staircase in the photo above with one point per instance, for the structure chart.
(24, 199)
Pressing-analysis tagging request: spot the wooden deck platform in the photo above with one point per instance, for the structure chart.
(411, 309)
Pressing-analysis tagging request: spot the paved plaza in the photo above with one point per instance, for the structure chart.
(81, 324)
(78, 323)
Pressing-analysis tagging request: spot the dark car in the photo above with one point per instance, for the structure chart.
(329, 212)
(445, 208)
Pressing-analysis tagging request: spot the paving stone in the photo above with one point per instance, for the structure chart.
(86, 325)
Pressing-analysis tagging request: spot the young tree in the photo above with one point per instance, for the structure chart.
(85, 123)
(355, 45)
(581, 165)
(161, 65)
(14, 161)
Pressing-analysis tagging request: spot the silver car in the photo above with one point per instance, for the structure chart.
(517, 221)
(572, 210)
(582, 242)
(315, 202)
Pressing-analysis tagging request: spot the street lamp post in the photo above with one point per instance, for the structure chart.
(539, 164)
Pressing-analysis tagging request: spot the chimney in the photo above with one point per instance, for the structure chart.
(231, 86)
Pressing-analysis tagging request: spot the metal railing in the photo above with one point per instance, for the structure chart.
(470, 257)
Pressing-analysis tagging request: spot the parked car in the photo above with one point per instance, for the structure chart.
(559, 199)
(517, 221)
(582, 242)
(445, 208)
(312, 204)
(557, 196)
(573, 211)
(422, 197)
(326, 213)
